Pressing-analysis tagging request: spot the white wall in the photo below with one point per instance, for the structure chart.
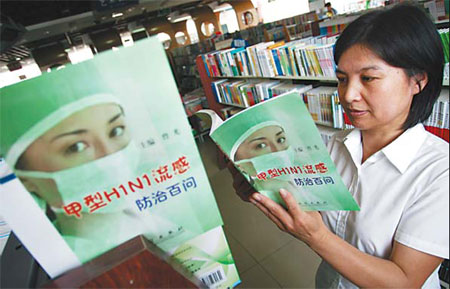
(280, 9)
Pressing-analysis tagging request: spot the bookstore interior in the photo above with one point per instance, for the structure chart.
(80, 116)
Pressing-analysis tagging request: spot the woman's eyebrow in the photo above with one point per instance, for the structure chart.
(74, 132)
(372, 67)
(114, 118)
(255, 139)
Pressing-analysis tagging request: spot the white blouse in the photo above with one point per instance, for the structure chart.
(403, 193)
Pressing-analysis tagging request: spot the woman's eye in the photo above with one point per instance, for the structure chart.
(367, 78)
(76, 148)
(261, 146)
(341, 79)
(281, 139)
(117, 131)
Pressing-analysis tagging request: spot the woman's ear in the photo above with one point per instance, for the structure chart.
(421, 80)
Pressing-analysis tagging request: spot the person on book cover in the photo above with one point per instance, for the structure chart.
(67, 147)
(262, 148)
(390, 70)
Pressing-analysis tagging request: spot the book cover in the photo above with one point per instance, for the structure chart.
(101, 152)
(275, 144)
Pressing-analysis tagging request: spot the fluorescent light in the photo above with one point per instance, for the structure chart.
(114, 15)
(180, 18)
(222, 7)
(80, 53)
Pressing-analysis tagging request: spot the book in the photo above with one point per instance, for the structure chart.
(275, 144)
(101, 152)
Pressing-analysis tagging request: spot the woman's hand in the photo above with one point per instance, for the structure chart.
(306, 226)
(240, 184)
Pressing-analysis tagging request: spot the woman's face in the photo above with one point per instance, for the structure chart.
(84, 136)
(248, 18)
(263, 141)
(375, 95)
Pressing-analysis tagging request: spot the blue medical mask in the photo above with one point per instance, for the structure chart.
(96, 176)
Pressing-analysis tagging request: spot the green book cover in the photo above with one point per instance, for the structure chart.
(104, 149)
(275, 144)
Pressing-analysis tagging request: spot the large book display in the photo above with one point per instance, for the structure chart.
(102, 152)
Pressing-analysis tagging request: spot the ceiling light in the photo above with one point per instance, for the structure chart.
(115, 15)
(222, 7)
(182, 17)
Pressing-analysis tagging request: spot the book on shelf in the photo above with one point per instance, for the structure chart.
(275, 144)
(97, 164)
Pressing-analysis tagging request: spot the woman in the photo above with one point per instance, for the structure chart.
(390, 65)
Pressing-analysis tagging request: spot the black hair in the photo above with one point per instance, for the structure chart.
(404, 37)
(328, 4)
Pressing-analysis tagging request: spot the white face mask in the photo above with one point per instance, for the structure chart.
(96, 176)
(276, 160)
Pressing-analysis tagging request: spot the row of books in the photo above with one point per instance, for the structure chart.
(245, 93)
(322, 102)
(324, 106)
(298, 31)
(333, 29)
(312, 56)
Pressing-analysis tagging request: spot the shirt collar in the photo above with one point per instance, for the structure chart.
(352, 141)
(403, 149)
(400, 152)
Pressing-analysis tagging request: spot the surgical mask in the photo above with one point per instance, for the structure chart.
(275, 160)
(96, 176)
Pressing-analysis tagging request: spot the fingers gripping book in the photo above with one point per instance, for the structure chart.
(275, 144)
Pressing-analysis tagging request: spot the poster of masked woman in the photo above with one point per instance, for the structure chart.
(275, 144)
(104, 150)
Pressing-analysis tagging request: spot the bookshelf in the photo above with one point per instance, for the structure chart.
(228, 74)
(184, 66)
(306, 78)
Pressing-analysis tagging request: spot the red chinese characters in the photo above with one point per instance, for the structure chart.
(97, 200)
(307, 169)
